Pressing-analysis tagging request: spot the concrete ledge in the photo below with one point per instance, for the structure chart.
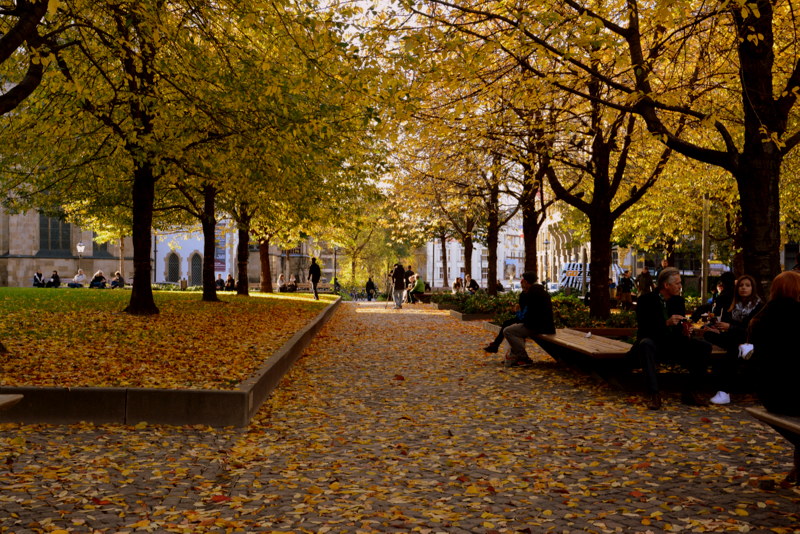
(471, 316)
(218, 408)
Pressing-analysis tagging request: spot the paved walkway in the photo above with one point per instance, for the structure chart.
(395, 421)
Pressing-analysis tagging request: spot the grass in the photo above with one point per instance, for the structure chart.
(81, 338)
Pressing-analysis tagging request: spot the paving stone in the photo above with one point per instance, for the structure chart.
(396, 421)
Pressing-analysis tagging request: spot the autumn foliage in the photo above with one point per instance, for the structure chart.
(79, 338)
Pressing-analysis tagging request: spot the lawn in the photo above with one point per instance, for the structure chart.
(80, 337)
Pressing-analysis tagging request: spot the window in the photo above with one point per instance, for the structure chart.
(54, 235)
(100, 249)
(173, 267)
(196, 276)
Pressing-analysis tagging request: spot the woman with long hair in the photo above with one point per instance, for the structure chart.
(776, 358)
(730, 331)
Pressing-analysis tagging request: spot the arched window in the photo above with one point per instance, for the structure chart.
(173, 267)
(196, 275)
(54, 235)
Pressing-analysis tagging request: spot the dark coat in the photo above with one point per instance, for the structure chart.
(652, 312)
(398, 278)
(314, 272)
(538, 310)
(776, 356)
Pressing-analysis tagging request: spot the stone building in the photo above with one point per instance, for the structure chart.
(32, 241)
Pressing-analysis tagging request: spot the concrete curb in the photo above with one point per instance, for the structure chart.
(471, 316)
(216, 408)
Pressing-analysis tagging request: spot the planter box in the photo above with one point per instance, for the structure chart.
(444, 306)
(471, 316)
(217, 408)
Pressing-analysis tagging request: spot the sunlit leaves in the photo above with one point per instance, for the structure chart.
(77, 338)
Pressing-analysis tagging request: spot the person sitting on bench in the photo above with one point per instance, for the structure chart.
(536, 317)
(665, 335)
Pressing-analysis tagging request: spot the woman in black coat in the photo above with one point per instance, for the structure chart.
(773, 333)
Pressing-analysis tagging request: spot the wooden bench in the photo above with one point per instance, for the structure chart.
(322, 287)
(788, 427)
(9, 400)
(593, 346)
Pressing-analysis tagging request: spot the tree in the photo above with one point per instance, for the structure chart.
(21, 42)
(644, 43)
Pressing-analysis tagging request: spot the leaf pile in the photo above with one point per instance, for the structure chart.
(396, 421)
(75, 338)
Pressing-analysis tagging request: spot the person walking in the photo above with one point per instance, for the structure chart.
(314, 274)
(624, 290)
(370, 289)
(398, 285)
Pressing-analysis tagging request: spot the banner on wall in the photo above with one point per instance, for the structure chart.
(513, 268)
(219, 250)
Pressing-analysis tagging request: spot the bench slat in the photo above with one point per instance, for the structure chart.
(595, 346)
(8, 400)
(786, 422)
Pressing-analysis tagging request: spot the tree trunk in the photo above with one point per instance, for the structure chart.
(266, 269)
(209, 222)
(493, 230)
(122, 256)
(530, 231)
(468, 247)
(443, 238)
(758, 183)
(242, 256)
(600, 263)
(144, 185)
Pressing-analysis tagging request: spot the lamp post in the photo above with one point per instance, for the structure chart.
(80, 247)
(546, 260)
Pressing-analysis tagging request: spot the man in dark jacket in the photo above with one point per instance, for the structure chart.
(314, 274)
(398, 285)
(535, 318)
(664, 335)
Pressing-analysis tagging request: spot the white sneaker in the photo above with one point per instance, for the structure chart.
(720, 398)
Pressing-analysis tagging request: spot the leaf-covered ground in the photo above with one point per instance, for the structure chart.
(396, 421)
(72, 338)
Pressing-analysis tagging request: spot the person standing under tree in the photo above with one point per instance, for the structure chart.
(644, 282)
(624, 290)
(314, 274)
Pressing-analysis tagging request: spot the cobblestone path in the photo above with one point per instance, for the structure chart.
(396, 421)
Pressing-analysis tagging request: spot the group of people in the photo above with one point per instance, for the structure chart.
(756, 334)
(467, 284)
(98, 280)
(642, 285)
(229, 284)
(406, 285)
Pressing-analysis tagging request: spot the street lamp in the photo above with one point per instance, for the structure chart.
(80, 247)
(546, 261)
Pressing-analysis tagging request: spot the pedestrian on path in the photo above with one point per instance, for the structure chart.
(370, 289)
(314, 274)
(624, 290)
(536, 318)
(398, 285)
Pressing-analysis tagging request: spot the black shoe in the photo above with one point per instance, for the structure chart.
(491, 347)
(691, 398)
(654, 402)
